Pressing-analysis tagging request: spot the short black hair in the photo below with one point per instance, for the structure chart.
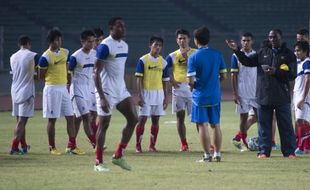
(278, 31)
(98, 32)
(156, 39)
(86, 33)
(303, 32)
(248, 34)
(182, 31)
(202, 35)
(303, 45)
(23, 40)
(53, 34)
(113, 20)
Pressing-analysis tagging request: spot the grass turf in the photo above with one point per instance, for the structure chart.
(167, 169)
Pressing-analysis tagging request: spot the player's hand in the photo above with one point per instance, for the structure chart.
(175, 84)
(141, 102)
(268, 69)
(300, 104)
(165, 103)
(236, 99)
(104, 105)
(232, 44)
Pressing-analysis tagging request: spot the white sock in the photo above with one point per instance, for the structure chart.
(217, 154)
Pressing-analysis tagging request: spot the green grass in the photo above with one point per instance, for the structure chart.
(167, 169)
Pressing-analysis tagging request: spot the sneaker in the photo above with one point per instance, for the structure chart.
(76, 151)
(101, 168)
(152, 149)
(205, 159)
(217, 158)
(244, 149)
(276, 147)
(261, 156)
(16, 152)
(292, 156)
(54, 151)
(121, 162)
(237, 144)
(299, 152)
(26, 149)
(138, 148)
(184, 148)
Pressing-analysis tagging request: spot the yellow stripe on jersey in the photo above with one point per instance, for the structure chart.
(153, 73)
(179, 66)
(57, 68)
(234, 70)
(223, 71)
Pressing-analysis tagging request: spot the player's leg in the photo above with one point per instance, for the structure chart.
(154, 133)
(286, 131)
(214, 114)
(51, 136)
(88, 130)
(205, 141)
(103, 125)
(127, 108)
(182, 129)
(139, 132)
(18, 133)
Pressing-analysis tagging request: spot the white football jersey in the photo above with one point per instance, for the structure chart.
(22, 65)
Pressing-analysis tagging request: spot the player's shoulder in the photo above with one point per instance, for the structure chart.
(77, 53)
(65, 50)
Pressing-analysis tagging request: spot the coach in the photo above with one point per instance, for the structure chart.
(276, 67)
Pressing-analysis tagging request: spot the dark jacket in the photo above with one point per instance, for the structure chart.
(272, 89)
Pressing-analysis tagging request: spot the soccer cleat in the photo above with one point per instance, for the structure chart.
(217, 158)
(152, 149)
(121, 162)
(138, 148)
(261, 156)
(184, 148)
(26, 149)
(76, 151)
(299, 152)
(205, 159)
(16, 152)
(54, 151)
(101, 168)
(292, 156)
(237, 144)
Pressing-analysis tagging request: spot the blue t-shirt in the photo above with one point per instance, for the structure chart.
(205, 65)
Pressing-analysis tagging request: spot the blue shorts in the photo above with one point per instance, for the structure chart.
(210, 114)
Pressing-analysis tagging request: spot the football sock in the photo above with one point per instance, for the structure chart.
(15, 143)
(120, 150)
(139, 133)
(154, 133)
(99, 155)
(72, 143)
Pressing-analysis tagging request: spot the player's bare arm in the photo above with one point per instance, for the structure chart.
(165, 88)
(99, 64)
(300, 104)
(140, 91)
(191, 82)
(234, 84)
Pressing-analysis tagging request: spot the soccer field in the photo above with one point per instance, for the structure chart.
(168, 169)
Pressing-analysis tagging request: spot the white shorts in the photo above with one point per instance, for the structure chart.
(148, 110)
(24, 109)
(113, 101)
(80, 106)
(303, 113)
(93, 106)
(181, 103)
(245, 106)
(251, 112)
(56, 101)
